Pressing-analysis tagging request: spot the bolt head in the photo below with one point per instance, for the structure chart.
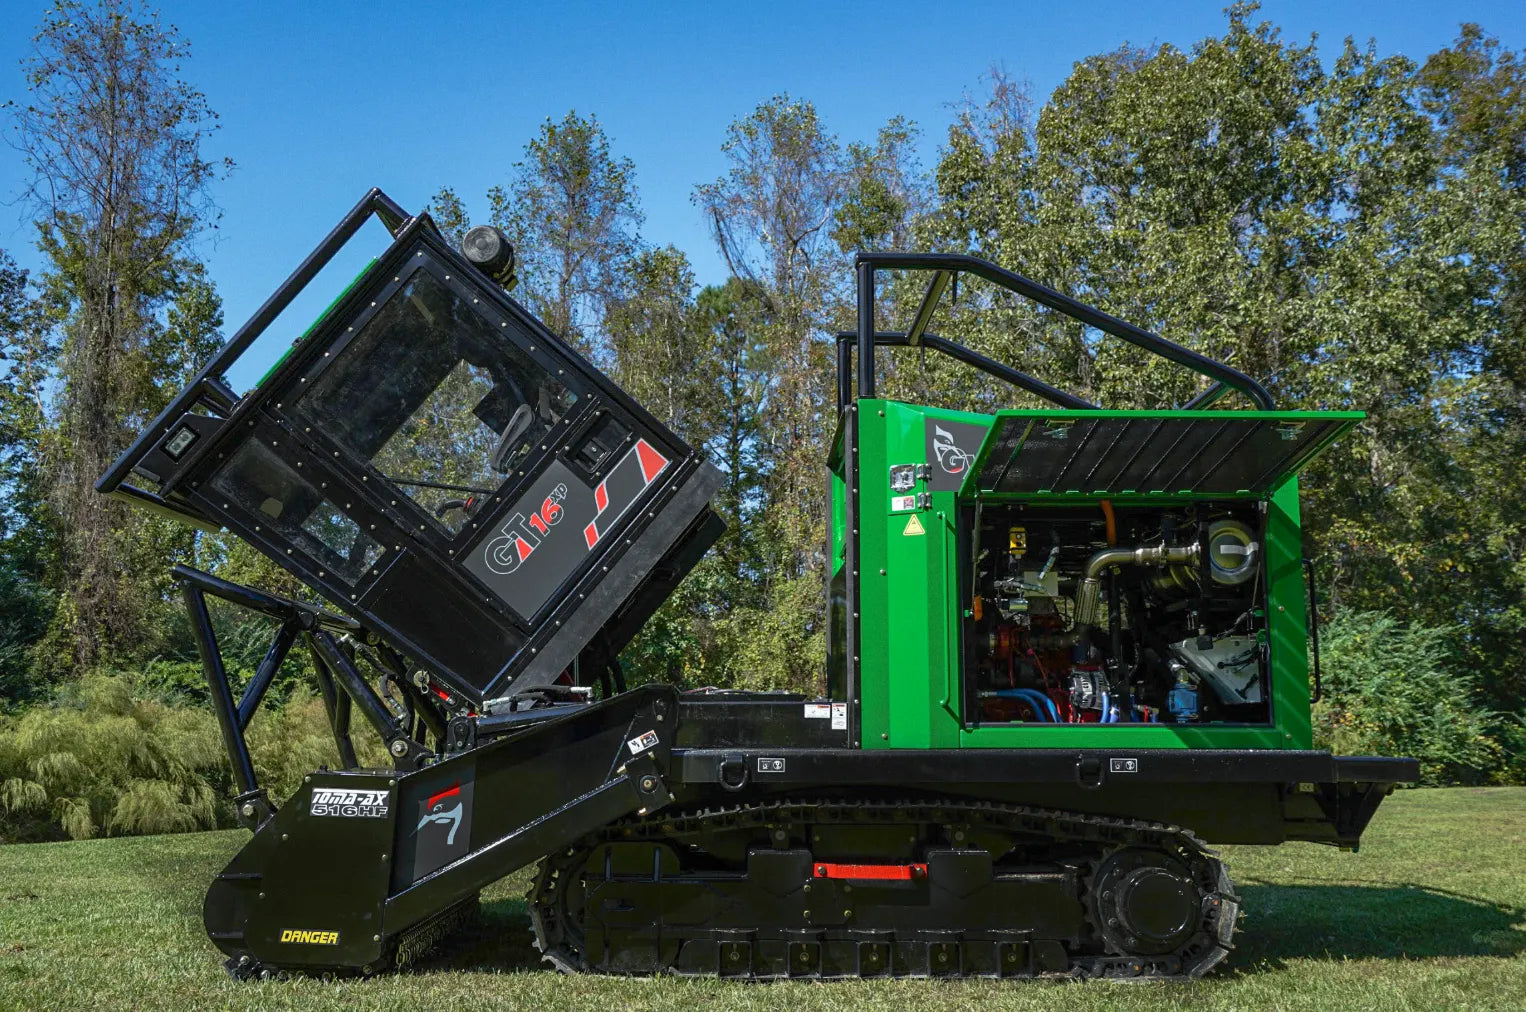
(248, 810)
(399, 748)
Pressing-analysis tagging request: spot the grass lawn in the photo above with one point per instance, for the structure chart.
(1430, 914)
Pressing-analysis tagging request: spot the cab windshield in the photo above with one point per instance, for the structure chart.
(438, 398)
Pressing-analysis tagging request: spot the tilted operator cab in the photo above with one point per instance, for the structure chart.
(440, 466)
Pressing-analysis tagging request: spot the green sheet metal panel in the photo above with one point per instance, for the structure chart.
(910, 614)
(1217, 454)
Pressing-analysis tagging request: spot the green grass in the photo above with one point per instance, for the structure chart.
(1430, 914)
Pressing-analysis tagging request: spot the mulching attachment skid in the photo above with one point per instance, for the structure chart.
(1066, 647)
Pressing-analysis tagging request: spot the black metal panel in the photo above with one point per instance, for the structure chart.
(1229, 454)
(1083, 768)
(736, 719)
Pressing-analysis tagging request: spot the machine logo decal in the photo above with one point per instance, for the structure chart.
(951, 458)
(650, 464)
(954, 445)
(437, 810)
(295, 936)
(346, 803)
(640, 744)
(443, 832)
(552, 527)
(518, 538)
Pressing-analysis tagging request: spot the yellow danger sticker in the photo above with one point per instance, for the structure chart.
(913, 527)
(295, 937)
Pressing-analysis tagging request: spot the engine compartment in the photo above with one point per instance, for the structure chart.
(1116, 614)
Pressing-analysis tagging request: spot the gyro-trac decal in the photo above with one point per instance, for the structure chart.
(553, 527)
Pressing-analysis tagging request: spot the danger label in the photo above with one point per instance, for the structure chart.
(641, 744)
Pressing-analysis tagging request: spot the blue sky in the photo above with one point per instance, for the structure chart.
(320, 101)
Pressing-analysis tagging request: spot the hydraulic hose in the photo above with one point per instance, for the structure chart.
(1043, 706)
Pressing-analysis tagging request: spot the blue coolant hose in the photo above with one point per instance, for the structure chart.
(1042, 705)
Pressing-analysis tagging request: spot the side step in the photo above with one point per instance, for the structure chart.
(357, 862)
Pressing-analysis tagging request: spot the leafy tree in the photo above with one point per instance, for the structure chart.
(659, 345)
(450, 214)
(885, 193)
(1316, 228)
(572, 213)
(25, 532)
(114, 137)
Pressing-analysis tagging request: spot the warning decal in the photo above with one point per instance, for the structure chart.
(913, 527)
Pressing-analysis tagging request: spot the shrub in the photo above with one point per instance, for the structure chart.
(1392, 689)
(113, 756)
(98, 761)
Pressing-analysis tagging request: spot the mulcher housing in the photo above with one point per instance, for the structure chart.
(1067, 647)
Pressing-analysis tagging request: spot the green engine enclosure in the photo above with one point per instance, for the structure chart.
(906, 630)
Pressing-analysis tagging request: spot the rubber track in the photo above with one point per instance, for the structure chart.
(1206, 949)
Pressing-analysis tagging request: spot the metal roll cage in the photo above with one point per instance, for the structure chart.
(944, 268)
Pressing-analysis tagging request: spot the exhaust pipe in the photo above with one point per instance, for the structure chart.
(1089, 593)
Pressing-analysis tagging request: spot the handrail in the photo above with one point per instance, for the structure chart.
(944, 264)
(954, 350)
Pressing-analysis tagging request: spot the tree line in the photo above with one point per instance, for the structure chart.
(1352, 232)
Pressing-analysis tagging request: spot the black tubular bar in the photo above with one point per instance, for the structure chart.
(276, 607)
(1215, 392)
(954, 350)
(217, 684)
(216, 394)
(865, 272)
(354, 684)
(331, 695)
(868, 263)
(342, 707)
(846, 370)
(254, 692)
(210, 377)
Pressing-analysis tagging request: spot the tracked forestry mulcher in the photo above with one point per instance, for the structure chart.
(1066, 650)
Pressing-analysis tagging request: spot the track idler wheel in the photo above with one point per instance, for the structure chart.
(1149, 904)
